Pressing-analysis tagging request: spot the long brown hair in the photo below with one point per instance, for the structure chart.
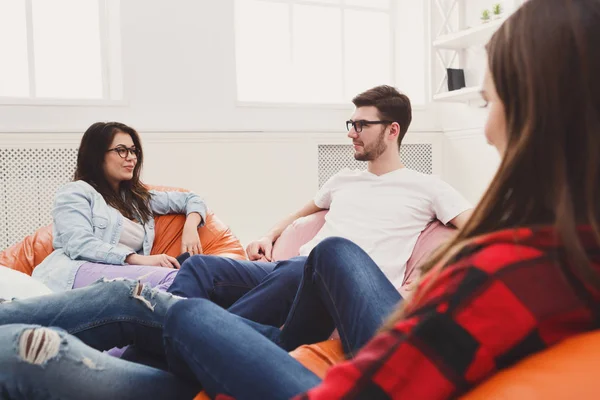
(132, 200)
(545, 63)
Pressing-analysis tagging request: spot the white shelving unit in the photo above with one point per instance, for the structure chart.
(457, 40)
(477, 36)
(463, 95)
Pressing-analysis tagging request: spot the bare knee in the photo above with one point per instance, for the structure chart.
(137, 294)
(38, 345)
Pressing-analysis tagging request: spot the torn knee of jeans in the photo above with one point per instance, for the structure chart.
(38, 345)
(106, 280)
(137, 294)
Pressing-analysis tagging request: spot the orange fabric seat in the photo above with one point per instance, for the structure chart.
(215, 236)
(565, 371)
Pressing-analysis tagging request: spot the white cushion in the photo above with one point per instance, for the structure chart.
(15, 284)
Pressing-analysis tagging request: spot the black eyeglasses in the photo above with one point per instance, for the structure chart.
(122, 151)
(360, 124)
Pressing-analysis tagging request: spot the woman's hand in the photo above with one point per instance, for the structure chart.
(159, 260)
(190, 240)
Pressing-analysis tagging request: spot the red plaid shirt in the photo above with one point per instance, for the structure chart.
(505, 296)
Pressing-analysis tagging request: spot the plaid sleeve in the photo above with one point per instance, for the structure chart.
(470, 323)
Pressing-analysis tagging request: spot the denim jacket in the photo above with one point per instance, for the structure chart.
(86, 229)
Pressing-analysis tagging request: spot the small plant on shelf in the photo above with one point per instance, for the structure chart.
(497, 10)
(485, 16)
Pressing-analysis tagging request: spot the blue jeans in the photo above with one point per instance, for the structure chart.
(64, 361)
(341, 287)
(258, 291)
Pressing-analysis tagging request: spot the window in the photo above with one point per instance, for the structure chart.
(327, 51)
(56, 50)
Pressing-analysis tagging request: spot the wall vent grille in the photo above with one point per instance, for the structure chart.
(29, 179)
(333, 158)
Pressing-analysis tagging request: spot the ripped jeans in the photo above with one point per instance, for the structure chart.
(64, 362)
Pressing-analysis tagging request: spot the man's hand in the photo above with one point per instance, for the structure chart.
(260, 250)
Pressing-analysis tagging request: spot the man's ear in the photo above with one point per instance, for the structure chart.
(394, 130)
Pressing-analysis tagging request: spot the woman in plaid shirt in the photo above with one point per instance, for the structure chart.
(521, 276)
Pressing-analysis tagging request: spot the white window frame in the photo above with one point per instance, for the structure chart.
(429, 55)
(393, 14)
(427, 49)
(110, 56)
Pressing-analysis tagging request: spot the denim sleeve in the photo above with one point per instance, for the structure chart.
(177, 203)
(74, 232)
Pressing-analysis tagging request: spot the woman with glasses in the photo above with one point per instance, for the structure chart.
(103, 224)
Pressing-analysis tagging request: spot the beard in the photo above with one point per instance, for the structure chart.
(372, 151)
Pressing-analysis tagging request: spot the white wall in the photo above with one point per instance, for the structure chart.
(469, 161)
(248, 180)
(252, 164)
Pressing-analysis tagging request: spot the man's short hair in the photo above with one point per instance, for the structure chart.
(391, 106)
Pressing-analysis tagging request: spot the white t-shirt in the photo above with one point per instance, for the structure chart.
(15, 284)
(384, 215)
(132, 236)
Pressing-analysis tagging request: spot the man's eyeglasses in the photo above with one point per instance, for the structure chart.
(360, 124)
(122, 151)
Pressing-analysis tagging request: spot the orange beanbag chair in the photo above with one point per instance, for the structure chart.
(567, 370)
(216, 239)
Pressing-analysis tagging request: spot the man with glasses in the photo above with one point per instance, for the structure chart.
(383, 209)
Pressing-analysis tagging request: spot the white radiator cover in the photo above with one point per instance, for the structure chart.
(28, 181)
(334, 157)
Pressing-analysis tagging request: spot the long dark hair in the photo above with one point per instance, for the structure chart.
(545, 63)
(132, 199)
